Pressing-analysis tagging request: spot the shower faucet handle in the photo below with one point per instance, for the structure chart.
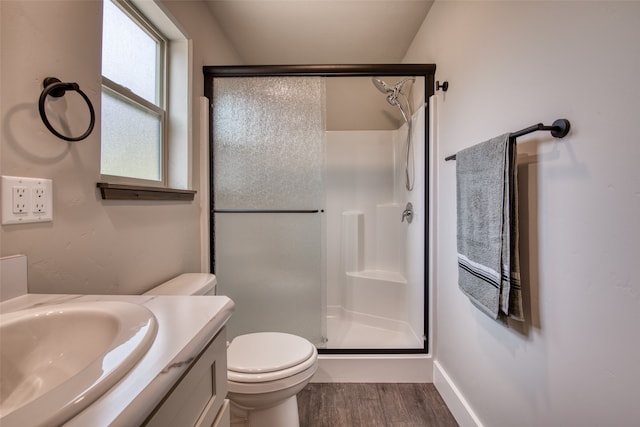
(408, 213)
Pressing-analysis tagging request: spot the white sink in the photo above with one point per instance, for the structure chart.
(55, 360)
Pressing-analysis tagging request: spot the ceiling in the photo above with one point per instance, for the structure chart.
(268, 32)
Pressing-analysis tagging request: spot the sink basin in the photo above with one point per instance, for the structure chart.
(55, 360)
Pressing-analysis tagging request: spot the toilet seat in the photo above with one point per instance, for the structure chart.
(268, 356)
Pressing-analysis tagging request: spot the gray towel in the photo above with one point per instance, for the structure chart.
(487, 196)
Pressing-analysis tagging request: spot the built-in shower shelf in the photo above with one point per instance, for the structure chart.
(387, 276)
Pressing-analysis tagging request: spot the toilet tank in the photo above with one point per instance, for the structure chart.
(187, 284)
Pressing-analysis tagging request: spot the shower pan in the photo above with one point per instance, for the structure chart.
(312, 173)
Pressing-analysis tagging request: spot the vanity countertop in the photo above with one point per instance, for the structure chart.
(186, 324)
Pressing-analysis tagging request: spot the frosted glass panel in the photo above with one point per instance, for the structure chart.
(130, 140)
(129, 54)
(270, 266)
(268, 137)
(268, 147)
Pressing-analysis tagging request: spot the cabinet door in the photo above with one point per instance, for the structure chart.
(198, 397)
(224, 416)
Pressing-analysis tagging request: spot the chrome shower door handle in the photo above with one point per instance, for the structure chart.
(408, 213)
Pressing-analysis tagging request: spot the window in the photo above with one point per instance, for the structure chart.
(134, 116)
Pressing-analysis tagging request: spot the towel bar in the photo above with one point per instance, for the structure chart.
(559, 129)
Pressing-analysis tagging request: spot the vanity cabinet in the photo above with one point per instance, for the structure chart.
(198, 399)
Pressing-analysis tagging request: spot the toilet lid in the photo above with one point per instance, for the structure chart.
(267, 352)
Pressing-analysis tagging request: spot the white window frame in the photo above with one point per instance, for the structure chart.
(125, 94)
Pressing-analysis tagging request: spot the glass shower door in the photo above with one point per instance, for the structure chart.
(268, 148)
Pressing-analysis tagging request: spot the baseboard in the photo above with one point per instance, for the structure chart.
(383, 368)
(456, 402)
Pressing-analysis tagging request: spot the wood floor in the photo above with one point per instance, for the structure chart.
(372, 405)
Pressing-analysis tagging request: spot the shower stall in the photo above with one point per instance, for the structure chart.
(319, 202)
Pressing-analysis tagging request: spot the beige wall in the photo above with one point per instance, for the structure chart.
(92, 246)
(354, 103)
(511, 65)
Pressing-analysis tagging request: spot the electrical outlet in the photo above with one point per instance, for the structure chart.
(39, 199)
(26, 200)
(19, 199)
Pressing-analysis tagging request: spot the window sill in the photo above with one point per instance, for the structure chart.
(136, 192)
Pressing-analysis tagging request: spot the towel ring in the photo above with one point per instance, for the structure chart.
(54, 87)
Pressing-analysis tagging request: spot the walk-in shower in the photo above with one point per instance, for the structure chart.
(311, 173)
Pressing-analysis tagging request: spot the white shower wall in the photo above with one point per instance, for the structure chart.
(359, 175)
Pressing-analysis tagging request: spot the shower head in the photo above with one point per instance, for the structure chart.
(391, 92)
(382, 86)
(385, 88)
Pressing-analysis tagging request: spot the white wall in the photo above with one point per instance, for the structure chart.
(510, 65)
(92, 246)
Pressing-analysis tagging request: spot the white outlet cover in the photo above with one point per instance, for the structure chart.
(44, 211)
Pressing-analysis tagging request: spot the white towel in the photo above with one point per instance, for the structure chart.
(487, 208)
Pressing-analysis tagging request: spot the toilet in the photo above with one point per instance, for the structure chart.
(265, 370)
